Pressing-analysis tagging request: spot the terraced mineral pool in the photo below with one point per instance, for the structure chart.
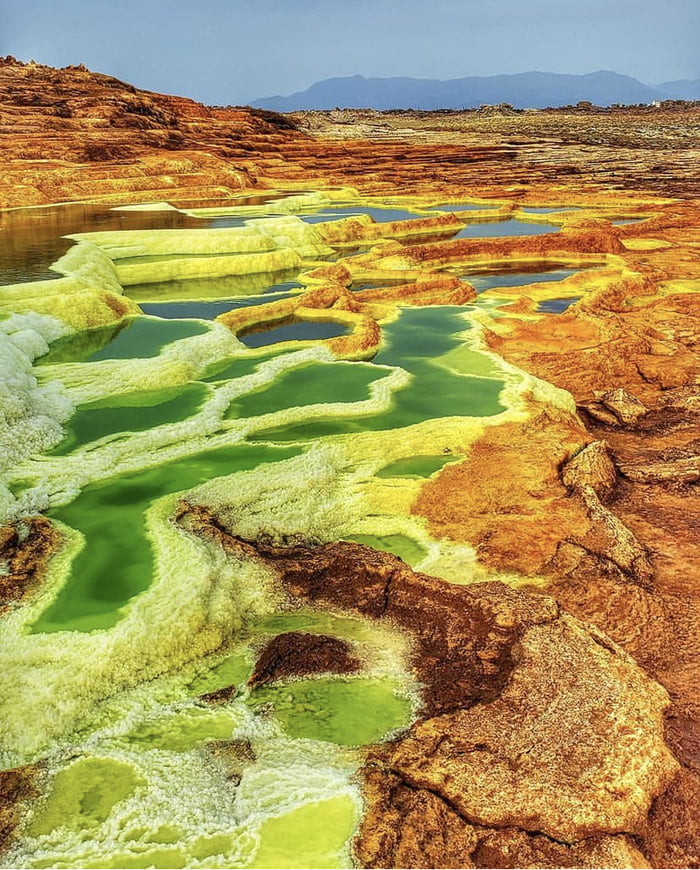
(481, 282)
(311, 384)
(210, 310)
(213, 289)
(294, 330)
(381, 215)
(116, 562)
(351, 712)
(463, 206)
(557, 306)
(142, 788)
(508, 227)
(136, 338)
(131, 412)
(398, 545)
(33, 238)
(417, 467)
(538, 210)
(422, 341)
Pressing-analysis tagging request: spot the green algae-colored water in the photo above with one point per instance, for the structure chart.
(209, 310)
(143, 791)
(138, 337)
(84, 795)
(482, 282)
(147, 336)
(183, 731)
(351, 712)
(508, 227)
(416, 342)
(398, 545)
(116, 562)
(416, 467)
(311, 836)
(294, 330)
(131, 412)
(311, 384)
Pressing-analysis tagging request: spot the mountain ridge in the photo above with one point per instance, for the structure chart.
(533, 89)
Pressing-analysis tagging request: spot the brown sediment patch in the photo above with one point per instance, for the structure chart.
(530, 721)
(18, 787)
(219, 696)
(25, 549)
(298, 654)
(231, 756)
(579, 237)
(410, 827)
(608, 342)
(520, 519)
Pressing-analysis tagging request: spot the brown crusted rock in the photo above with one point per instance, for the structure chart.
(219, 696)
(297, 654)
(17, 786)
(572, 748)
(531, 720)
(592, 467)
(672, 838)
(406, 827)
(626, 407)
(231, 756)
(683, 470)
(25, 549)
(463, 635)
(511, 848)
(609, 538)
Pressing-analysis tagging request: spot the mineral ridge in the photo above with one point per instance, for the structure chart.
(374, 541)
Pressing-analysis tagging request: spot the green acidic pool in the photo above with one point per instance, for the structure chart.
(232, 671)
(131, 412)
(308, 385)
(420, 341)
(350, 712)
(145, 337)
(142, 337)
(116, 562)
(398, 545)
(417, 467)
(183, 731)
(311, 836)
(84, 794)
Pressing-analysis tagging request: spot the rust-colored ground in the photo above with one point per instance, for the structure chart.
(612, 537)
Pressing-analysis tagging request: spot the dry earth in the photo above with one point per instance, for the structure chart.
(514, 680)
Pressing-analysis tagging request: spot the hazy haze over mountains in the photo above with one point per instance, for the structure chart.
(522, 90)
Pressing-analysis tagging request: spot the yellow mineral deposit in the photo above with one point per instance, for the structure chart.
(313, 395)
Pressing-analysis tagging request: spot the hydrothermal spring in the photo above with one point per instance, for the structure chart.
(109, 427)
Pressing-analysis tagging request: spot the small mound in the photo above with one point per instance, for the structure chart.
(297, 654)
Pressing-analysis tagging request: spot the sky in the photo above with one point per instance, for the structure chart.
(230, 52)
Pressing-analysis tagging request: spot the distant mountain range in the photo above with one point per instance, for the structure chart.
(534, 90)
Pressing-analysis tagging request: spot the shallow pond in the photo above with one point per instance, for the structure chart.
(158, 775)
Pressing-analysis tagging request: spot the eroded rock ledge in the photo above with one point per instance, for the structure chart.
(539, 740)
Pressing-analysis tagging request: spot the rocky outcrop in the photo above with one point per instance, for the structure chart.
(297, 654)
(25, 549)
(18, 787)
(532, 722)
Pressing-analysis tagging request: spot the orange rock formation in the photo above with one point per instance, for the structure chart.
(600, 514)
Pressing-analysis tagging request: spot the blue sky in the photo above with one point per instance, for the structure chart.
(233, 51)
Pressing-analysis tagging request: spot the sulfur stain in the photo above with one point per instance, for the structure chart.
(314, 835)
(84, 795)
